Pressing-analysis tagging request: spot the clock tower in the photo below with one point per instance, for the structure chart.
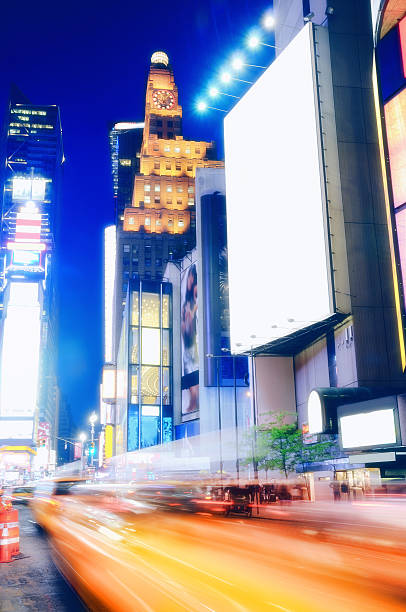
(163, 203)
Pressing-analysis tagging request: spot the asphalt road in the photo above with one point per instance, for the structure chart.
(33, 583)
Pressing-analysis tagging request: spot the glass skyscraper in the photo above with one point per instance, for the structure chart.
(32, 160)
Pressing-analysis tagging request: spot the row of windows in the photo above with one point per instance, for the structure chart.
(24, 111)
(168, 166)
(33, 125)
(147, 200)
(157, 187)
(176, 148)
(169, 123)
(147, 222)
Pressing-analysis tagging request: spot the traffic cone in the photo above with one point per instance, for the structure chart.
(5, 547)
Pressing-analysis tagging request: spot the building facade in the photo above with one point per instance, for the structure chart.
(156, 226)
(342, 339)
(33, 153)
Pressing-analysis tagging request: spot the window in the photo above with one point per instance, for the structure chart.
(170, 123)
(190, 189)
(187, 151)
(159, 122)
(190, 201)
(179, 202)
(131, 221)
(177, 149)
(170, 222)
(147, 187)
(167, 148)
(169, 188)
(147, 199)
(126, 248)
(190, 168)
(170, 135)
(125, 162)
(147, 261)
(157, 187)
(181, 223)
(168, 166)
(157, 200)
(197, 151)
(147, 221)
(158, 223)
(156, 165)
(150, 309)
(158, 261)
(178, 167)
(179, 189)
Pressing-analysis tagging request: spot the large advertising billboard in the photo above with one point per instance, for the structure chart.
(190, 354)
(279, 259)
(20, 352)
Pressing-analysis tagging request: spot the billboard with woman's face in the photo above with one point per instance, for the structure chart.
(190, 354)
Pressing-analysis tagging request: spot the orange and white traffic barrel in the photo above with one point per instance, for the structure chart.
(9, 533)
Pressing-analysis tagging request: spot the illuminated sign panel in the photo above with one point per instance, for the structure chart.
(20, 351)
(402, 36)
(108, 441)
(109, 280)
(25, 188)
(368, 429)
(26, 258)
(395, 118)
(278, 251)
(16, 430)
(109, 383)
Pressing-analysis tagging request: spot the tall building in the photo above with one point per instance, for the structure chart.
(157, 226)
(32, 146)
(161, 218)
(125, 151)
(320, 274)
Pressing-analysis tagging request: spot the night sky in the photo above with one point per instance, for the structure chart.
(91, 59)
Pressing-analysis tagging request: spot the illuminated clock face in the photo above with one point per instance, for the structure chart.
(163, 98)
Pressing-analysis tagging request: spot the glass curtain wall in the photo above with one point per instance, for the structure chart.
(150, 365)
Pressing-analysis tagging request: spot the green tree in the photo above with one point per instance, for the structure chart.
(278, 445)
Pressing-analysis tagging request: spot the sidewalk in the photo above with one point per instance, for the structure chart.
(33, 583)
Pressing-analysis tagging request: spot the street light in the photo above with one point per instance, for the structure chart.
(268, 21)
(214, 92)
(238, 63)
(226, 77)
(203, 106)
(254, 41)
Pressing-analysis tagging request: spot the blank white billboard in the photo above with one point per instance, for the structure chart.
(368, 429)
(277, 241)
(20, 353)
(16, 430)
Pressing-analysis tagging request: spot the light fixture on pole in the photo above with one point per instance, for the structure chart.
(203, 106)
(238, 63)
(226, 78)
(254, 41)
(268, 21)
(214, 92)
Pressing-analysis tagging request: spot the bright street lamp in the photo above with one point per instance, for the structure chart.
(82, 437)
(93, 418)
(203, 106)
(254, 41)
(226, 78)
(214, 92)
(268, 21)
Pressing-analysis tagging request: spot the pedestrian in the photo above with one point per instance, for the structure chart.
(335, 485)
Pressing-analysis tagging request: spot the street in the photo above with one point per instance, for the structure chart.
(33, 582)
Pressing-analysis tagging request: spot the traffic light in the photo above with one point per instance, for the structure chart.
(91, 448)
